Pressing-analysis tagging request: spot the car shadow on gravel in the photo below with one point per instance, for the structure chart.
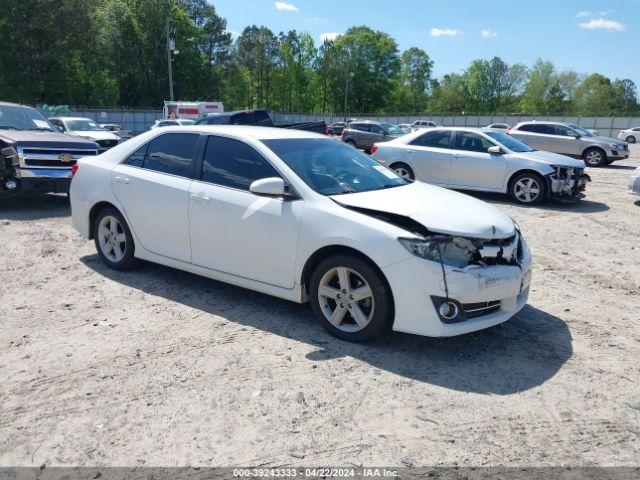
(518, 355)
(26, 207)
(580, 206)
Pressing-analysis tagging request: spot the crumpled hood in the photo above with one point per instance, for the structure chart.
(438, 209)
(29, 138)
(551, 158)
(96, 135)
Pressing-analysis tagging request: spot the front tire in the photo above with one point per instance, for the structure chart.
(631, 139)
(113, 239)
(594, 157)
(404, 170)
(351, 299)
(528, 188)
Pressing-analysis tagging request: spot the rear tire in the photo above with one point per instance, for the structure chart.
(594, 157)
(113, 240)
(404, 170)
(528, 188)
(351, 299)
(631, 139)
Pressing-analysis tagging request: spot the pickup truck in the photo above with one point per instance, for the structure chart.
(258, 118)
(34, 156)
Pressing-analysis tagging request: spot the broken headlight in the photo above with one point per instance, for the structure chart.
(452, 251)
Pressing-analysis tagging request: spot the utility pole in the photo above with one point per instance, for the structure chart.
(170, 49)
(346, 95)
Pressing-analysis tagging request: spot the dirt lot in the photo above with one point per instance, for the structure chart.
(160, 367)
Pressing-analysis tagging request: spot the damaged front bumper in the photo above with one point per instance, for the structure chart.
(484, 294)
(567, 184)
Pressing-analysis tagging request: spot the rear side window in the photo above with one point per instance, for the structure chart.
(472, 142)
(232, 163)
(362, 127)
(253, 117)
(434, 138)
(136, 159)
(171, 153)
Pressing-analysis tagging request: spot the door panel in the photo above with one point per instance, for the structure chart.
(243, 234)
(157, 208)
(430, 156)
(472, 166)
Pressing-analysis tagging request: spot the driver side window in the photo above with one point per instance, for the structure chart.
(563, 131)
(472, 142)
(232, 163)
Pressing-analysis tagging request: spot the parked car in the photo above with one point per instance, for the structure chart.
(630, 135)
(406, 128)
(424, 124)
(86, 128)
(570, 139)
(634, 182)
(117, 130)
(180, 122)
(299, 216)
(499, 126)
(484, 160)
(34, 155)
(259, 118)
(336, 128)
(364, 134)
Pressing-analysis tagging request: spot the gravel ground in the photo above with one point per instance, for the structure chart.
(157, 367)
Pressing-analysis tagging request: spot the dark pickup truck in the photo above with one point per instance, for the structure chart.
(34, 156)
(259, 118)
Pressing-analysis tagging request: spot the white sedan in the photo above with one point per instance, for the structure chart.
(630, 135)
(305, 218)
(483, 159)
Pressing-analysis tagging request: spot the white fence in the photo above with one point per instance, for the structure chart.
(606, 126)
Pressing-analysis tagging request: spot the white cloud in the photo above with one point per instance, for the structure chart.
(602, 24)
(286, 7)
(329, 36)
(583, 14)
(488, 33)
(444, 32)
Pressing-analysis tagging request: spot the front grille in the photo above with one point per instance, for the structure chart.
(52, 157)
(107, 143)
(474, 310)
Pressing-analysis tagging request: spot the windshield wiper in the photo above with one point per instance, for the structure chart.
(9, 127)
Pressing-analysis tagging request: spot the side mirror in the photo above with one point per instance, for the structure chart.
(60, 129)
(495, 150)
(271, 187)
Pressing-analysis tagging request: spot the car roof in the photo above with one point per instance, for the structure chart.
(71, 118)
(10, 104)
(258, 133)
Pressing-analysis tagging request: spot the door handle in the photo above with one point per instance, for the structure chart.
(410, 151)
(200, 197)
(457, 155)
(122, 180)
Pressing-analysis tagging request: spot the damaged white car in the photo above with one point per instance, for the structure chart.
(634, 182)
(484, 159)
(303, 217)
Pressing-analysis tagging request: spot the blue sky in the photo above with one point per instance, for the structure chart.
(586, 36)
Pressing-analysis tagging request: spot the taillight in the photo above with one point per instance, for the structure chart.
(74, 169)
(374, 149)
(326, 130)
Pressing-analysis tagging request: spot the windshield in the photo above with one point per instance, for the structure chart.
(582, 131)
(392, 129)
(331, 168)
(83, 126)
(23, 118)
(509, 142)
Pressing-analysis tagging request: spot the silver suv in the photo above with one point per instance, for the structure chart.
(571, 139)
(363, 134)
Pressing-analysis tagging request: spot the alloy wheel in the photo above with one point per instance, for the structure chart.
(527, 190)
(631, 139)
(346, 299)
(403, 172)
(111, 238)
(594, 157)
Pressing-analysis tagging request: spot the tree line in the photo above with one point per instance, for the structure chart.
(105, 53)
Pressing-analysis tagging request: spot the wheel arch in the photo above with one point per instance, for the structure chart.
(93, 213)
(545, 177)
(593, 147)
(316, 257)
